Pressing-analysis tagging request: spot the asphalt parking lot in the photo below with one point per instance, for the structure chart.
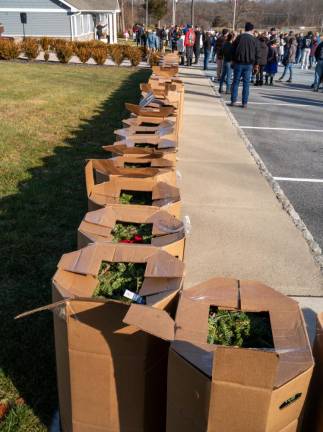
(285, 125)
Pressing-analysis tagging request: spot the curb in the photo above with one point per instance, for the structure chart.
(287, 206)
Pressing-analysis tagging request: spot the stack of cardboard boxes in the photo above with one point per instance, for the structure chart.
(148, 367)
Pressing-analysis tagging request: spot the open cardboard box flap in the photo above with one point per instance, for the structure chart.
(153, 321)
(87, 261)
(156, 160)
(150, 112)
(163, 222)
(109, 167)
(154, 122)
(133, 130)
(166, 141)
(292, 353)
(160, 189)
(130, 143)
(137, 121)
(121, 148)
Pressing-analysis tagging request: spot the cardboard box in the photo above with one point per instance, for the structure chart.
(313, 417)
(151, 121)
(111, 376)
(168, 232)
(161, 91)
(228, 389)
(168, 148)
(163, 193)
(152, 141)
(133, 132)
(104, 170)
(165, 71)
(162, 112)
(168, 155)
(146, 161)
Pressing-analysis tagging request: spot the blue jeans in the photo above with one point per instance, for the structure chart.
(226, 75)
(288, 67)
(318, 74)
(206, 57)
(243, 71)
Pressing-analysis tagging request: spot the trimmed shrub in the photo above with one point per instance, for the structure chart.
(64, 51)
(134, 54)
(83, 53)
(45, 43)
(9, 49)
(117, 53)
(100, 54)
(31, 48)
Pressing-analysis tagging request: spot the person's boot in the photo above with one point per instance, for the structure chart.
(266, 80)
(289, 80)
(280, 79)
(261, 82)
(220, 89)
(271, 81)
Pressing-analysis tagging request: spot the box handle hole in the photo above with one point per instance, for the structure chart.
(291, 400)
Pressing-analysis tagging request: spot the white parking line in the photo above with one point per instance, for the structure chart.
(281, 88)
(314, 105)
(305, 180)
(282, 129)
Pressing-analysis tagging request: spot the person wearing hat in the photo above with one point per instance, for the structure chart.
(245, 53)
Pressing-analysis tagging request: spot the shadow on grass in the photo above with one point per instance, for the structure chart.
(38, 225)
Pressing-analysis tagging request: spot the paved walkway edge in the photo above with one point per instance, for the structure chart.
(280, 195)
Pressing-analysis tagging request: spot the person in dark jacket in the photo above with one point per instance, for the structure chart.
(226, 75)
(319, 66)
(207, 47)
(261, 60)
(289, 59)
(299, 39)
(272, 62)
(99, 30)
(197, 46)
(218, 49)
(245, 52)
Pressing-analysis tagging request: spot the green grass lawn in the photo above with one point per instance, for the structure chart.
(52, 117)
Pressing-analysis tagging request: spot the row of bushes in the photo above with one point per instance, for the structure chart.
(64, 50)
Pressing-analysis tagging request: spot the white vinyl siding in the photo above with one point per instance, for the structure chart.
(38, 24)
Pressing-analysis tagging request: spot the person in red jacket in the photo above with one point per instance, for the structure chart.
(189, 44)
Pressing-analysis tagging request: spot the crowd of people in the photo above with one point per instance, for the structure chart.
(250, 56)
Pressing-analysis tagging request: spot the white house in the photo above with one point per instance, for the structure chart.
(70, 19)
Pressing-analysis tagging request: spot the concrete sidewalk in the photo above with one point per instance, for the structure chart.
(239, 228)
